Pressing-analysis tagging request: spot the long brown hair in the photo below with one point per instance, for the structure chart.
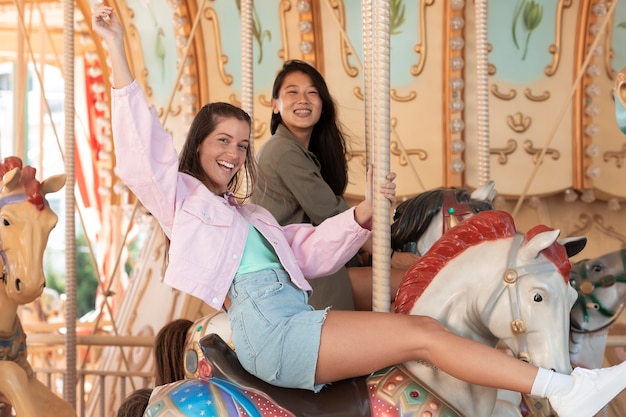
(328, 142)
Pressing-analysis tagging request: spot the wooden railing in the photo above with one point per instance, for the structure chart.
(46, 355)
(94, 399)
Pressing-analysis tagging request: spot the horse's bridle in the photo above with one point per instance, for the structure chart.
(9, 199)
(510, 279)
(453, 212)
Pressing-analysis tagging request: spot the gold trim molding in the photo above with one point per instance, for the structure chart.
(536, 152)
(502, 96)
(420, 48)
(518, 122)
(537, 98)
(503, 153)
(555, 48)
(617, 155)
(211, 16)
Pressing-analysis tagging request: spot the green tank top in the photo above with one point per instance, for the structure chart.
(258, 254)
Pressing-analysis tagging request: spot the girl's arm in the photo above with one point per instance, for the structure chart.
(363, 212)
(106, 24)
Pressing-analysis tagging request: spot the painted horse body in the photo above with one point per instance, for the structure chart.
(25, 224)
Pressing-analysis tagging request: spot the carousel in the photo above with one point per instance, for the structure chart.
(519, 104)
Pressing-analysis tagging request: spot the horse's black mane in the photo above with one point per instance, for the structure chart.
(413, 216)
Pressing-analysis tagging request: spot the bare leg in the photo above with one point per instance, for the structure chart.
(375, 336)
(361, 281)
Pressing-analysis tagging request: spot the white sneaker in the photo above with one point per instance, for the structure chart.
(592, 390)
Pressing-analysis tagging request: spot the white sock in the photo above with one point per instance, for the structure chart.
(547, 383)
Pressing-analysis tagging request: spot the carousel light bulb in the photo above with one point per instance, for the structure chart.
(457, 43)
(457, 145)
(457, 63)
(599, 9)
(570, 196)
(592, 130)
(181, 41)
(592, 90)
(534, 202)
(593, 70)
(593, 171)
(592, 110)
(306, 47)
(499, 202)
(457, 105)
(457, 166)
(187, 80)
(457, 4)
(592, 150)
(613, 204)
(457, 84)
(303, 6)
(457, 23)
(457, 125)
(305, 26)
(588, 196)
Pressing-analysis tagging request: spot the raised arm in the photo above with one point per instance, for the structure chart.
(106, 24)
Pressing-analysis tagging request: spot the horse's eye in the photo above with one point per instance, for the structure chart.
(537, 298)
(597, 268)
(5, 222)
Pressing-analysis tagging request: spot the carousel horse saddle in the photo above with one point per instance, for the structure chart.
(389, 389)
(347, 398)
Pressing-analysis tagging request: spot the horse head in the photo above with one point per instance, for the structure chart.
(25, 224)
(600, 284)
(487, 282)
(420, 221)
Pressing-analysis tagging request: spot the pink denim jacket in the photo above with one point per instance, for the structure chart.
(208, 232)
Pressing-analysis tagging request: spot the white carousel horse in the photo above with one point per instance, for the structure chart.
(498, 265)
(25, 224)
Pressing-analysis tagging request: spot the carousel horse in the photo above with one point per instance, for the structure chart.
(601, 286)
(25, 224)
(513, 288)
(421, 220)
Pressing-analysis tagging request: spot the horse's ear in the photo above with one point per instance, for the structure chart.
(12, 178)
(573, 245)
(52, 184)
(485, 192)
(530, 249)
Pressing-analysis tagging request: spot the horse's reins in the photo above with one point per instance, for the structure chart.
(510, 279)
(9, 199)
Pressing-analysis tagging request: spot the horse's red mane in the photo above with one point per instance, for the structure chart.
(484, 226)
(27, 180)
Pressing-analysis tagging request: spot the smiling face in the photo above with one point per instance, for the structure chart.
(223, 152)
(299, 105)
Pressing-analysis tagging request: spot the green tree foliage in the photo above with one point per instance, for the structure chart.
(86, 278)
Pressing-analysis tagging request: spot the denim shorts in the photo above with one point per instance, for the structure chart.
(276, 334)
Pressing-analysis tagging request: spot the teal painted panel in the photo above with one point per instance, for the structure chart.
(520, 54)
